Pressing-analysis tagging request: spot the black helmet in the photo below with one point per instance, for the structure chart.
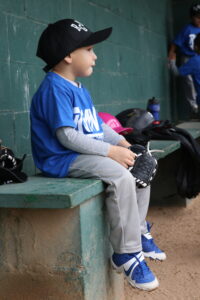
(195, 9)
(136, 118)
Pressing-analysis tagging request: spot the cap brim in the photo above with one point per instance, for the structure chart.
(97, 37)
(123, 130)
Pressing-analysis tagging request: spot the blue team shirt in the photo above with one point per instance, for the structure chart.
(185, 39)
(192, 67)
(59, 103)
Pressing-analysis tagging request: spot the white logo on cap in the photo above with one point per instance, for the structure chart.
(197, 7)
(79, 26)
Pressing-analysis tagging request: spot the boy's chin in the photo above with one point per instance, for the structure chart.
(88, 73)
(197, 24)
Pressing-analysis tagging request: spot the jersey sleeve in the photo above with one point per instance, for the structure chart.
(59, 109)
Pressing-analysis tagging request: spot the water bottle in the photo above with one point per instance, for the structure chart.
(153, 107)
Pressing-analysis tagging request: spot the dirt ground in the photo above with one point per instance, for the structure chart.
(177, 231)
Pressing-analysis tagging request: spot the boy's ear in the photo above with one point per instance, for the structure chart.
(68, 59)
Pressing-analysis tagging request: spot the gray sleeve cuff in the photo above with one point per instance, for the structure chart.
(111, 136)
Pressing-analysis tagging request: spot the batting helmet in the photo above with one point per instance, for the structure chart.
(136, 118)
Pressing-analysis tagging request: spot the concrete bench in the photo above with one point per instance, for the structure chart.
(54, 241)
(54, 234)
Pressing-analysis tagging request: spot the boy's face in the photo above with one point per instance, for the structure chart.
(83, 61)
(196, 20)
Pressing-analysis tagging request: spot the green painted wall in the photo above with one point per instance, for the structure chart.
(131, 65)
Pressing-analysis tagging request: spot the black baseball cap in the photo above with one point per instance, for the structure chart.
(63, 37)
(195, 9)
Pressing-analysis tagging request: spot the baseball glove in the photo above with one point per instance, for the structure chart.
(145, 166)
(10, 167)
(7, 158)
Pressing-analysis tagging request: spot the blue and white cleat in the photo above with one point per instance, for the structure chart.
(135, 269)
(149, 248)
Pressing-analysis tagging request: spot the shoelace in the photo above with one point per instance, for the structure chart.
(142, 267)
(153, 150)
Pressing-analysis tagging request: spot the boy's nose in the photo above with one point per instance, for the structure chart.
(95, 57)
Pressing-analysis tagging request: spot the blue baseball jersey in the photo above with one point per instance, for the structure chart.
(59, 103)
(192, 67)
(185, 39)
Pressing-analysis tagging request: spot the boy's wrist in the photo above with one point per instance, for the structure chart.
(111, 150)
(124, 143)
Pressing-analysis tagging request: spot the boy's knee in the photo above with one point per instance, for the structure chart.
(118, 173)
(126, 175)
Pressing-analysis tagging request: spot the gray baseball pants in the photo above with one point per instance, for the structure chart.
(188, 87)
(126, 205)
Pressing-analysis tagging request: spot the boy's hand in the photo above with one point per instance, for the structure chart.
(172, 56)
(122, 155)
(172, 52)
